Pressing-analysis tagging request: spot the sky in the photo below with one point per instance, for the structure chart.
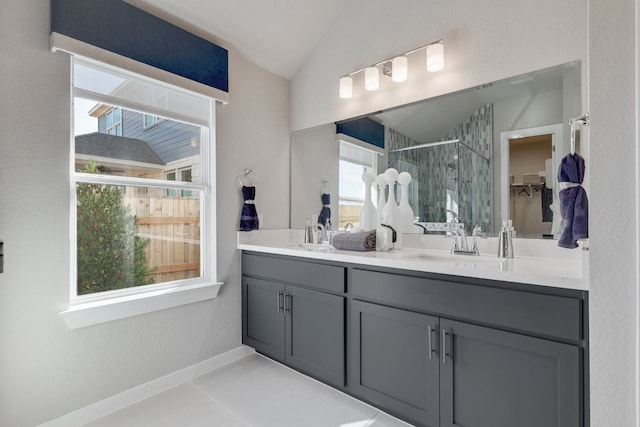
(82, 122)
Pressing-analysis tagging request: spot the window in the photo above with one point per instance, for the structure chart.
(184, 175)
(355, 160)
(149, 120)
(114, 121)
(140, 226)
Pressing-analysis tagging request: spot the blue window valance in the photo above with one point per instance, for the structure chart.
(120, 34)
(364, 129)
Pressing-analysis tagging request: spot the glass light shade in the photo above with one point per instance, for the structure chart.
(435, 57)
(371, 78)
(399, 69)
(346, 87)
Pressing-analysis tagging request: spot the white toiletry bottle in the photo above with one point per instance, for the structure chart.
(381, 182)
(405, 217)
(368, 215)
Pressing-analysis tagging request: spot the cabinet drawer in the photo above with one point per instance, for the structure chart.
(540, 314)
(319, 276)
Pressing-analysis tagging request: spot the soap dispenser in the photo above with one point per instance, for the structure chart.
(386, 236)
(505, 240)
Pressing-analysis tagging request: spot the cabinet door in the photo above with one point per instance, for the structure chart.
(391, 362)
(263, 316)
(492, 378)
(315, 334)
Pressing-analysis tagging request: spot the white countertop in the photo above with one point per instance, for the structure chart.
(536, 262)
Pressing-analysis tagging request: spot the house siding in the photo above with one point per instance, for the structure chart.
(169, 139)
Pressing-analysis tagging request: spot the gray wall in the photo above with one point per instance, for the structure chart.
(47, 370)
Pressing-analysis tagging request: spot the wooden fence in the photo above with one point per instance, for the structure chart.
(349, 213)
(172, 226)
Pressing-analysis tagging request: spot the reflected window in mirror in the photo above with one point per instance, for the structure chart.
(354, 162)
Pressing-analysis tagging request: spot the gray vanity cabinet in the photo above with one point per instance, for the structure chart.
(510, 357)
(395, 360)
(287, 318)
(263, 315)
(435, 350)
(493, 378)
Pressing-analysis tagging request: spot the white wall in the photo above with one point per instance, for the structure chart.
(314, 158)
(613, 202)
(519, 113)
(47, 370)
(492, 40)
(484, 42)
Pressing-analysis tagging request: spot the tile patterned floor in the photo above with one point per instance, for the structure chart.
(253, 391)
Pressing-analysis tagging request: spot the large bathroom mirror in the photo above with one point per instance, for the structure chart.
(477, 156)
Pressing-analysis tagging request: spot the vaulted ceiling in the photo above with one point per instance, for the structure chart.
(276, 35)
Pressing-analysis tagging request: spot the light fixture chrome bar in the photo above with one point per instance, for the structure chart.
(377, 64)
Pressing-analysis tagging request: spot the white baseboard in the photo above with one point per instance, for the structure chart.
(111, 404)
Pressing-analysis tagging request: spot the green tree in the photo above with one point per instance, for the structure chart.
(110, 253)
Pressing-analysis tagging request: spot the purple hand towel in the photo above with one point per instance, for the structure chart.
(574, 205)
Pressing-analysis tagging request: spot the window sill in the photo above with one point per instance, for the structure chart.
(96, 312)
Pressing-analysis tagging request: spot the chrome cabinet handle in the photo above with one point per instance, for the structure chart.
(280, 301)
(287, 301)
(430, 332)
(443, 350)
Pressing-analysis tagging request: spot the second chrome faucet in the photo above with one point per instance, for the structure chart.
(462, 248)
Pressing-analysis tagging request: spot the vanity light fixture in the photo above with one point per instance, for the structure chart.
(346, 87)
(371, 78)
(399, 68)
(435, 57)
(396, 67)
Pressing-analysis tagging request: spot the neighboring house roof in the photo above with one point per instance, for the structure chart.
(116, 147)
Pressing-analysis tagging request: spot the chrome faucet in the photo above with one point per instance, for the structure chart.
(463, 248)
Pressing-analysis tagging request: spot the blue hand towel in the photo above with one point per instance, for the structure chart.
(574, 205)
(249, 215)
(325, 213)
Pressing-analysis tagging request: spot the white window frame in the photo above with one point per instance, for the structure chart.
(373, 167)
(155, 120)
(91, 309)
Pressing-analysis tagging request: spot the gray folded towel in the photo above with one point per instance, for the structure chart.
(358, 241)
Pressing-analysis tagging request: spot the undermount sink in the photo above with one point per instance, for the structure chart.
(316, 247)
(458, 259)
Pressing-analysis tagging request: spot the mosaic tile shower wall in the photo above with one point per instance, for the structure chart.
(452, 181)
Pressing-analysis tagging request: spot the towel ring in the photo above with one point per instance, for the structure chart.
(248, 178)
(325, 187)
(573, 123)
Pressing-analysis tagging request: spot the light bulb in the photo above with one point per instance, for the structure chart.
(371, 78)
(346, 87)
(399, 69)
(435, 57)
